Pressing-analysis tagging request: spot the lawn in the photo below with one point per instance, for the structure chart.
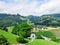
(42, 42)
(10, 37)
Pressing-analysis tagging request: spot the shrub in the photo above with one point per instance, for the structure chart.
(46, 34)
(38, 35)
(4, 28)
(21, 40)
(3, 40)
(49, 35)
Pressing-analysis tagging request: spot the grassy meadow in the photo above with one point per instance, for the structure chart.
(42, 42)
(12, 37)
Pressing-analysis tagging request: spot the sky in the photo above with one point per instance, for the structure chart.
(30, 7)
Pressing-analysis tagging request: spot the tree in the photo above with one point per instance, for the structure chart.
(23, 29)
(5, 28)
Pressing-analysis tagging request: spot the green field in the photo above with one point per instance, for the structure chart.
(10, 29)
(10, 37)
(55, 31)
(42, 42)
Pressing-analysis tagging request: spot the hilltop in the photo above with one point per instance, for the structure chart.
(11, 19)
(44, 20)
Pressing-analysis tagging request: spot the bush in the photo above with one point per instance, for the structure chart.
(49, 35)
(4, 28)
(46, 34)
(21, 40)
(3, 40)
(38, 35)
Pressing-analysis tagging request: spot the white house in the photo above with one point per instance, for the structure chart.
(32, 37)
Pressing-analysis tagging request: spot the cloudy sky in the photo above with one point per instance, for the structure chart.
(30, 7)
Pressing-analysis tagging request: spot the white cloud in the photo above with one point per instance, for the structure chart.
(49, 7)
(29, 7)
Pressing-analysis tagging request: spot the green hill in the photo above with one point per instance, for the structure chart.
(10, 37)
(47, 20)
(57, 15)
(11, 19)
(42, 42)
(44, 20)
(33, 19)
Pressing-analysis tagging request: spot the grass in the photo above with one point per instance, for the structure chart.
(10, 37)
(42, 42)
(10, 29)
(56, 33)
(54, 30)
(22, 18)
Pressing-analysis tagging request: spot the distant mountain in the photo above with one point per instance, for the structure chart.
(53, 15)
(45, 20)
(14, 19)
(49, 20)
(33, 19)
(11, 19)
